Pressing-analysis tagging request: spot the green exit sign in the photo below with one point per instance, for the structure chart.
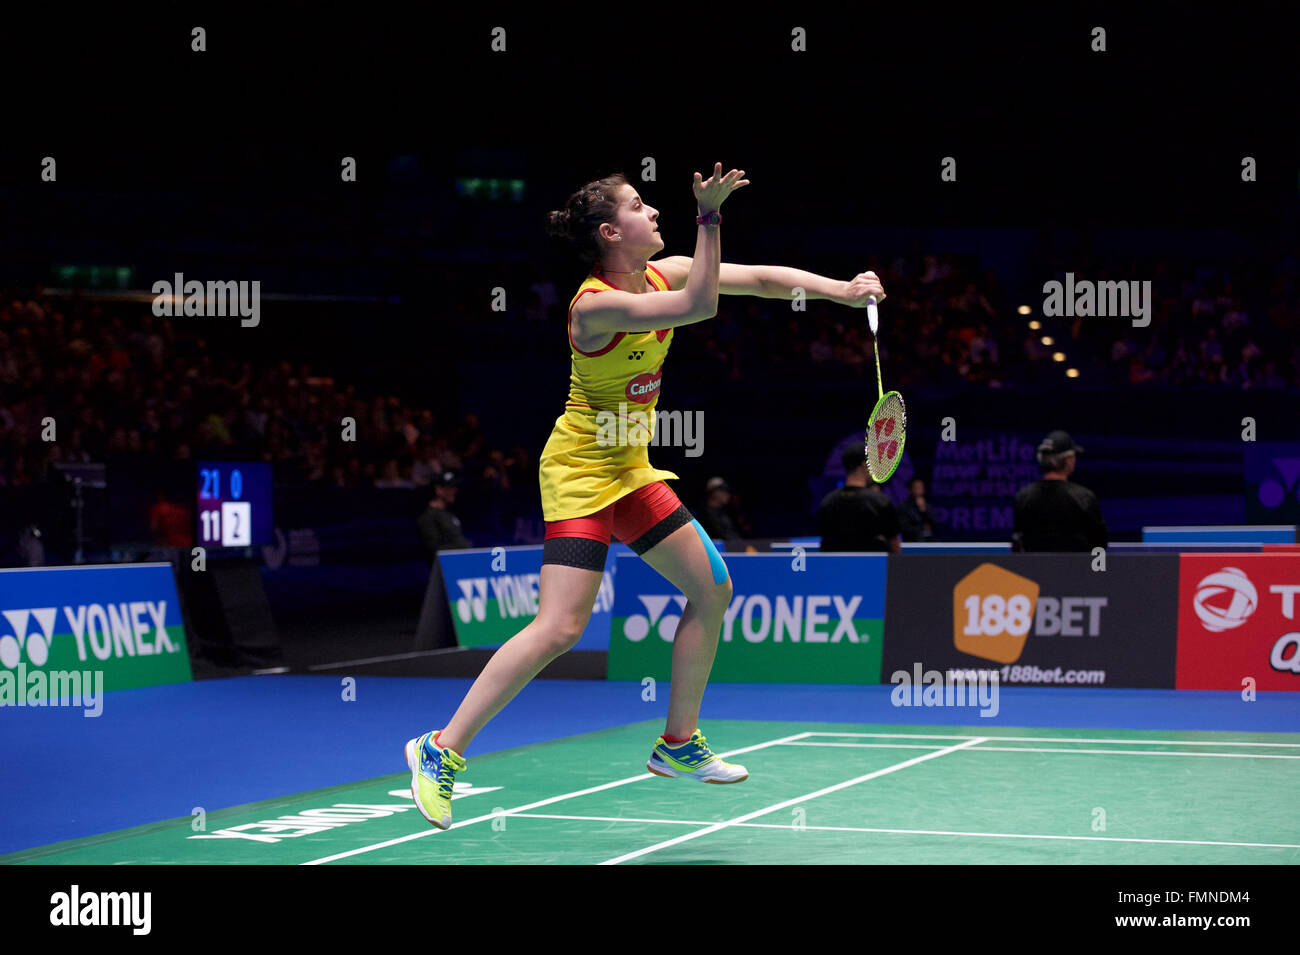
(93, 276)
(493, 190)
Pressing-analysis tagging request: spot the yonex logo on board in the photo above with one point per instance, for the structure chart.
(756, 618)
(516, 595)
(124, 629)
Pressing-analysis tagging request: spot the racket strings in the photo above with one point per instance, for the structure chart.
(886, 432)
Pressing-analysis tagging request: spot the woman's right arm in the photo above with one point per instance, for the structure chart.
(618, 311)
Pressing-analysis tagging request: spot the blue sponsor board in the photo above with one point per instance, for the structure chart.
(494, 593)
(123, 620)
(1221, 534)
(792, 618)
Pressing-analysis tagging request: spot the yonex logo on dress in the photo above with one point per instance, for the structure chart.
(635, 356)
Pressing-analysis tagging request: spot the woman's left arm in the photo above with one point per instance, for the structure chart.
(779, 281)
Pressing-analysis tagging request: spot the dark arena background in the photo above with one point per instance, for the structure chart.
(221, 616)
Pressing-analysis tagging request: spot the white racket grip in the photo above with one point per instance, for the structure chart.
(873, 317)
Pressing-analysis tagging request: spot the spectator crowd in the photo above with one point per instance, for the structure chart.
(118, 380)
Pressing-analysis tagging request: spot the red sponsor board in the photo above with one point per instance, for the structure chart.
(1238, 617)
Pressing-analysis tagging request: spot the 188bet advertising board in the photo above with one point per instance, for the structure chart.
(1036, 619)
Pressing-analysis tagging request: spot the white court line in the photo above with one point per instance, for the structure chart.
(1046, 749)
(1060, 739)
(790, 802)
(532, 805)
(666, 822)
(871, 745)
(923, 832)
(1129, 752)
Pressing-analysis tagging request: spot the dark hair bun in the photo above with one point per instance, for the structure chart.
(560, 224)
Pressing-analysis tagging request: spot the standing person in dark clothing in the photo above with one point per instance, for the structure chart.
(716, 518)
(857, 516)
(1055, 514)
(439, 527)
(440, 530)
(914, 516)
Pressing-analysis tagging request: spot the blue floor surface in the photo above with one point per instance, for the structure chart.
(159, 752)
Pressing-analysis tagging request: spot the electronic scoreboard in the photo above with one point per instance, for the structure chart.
(234, 504)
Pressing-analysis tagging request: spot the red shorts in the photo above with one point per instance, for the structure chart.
(640, 520)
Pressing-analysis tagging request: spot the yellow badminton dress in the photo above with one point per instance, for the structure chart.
(589, 462)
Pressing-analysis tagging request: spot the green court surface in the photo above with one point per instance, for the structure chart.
(817, 793)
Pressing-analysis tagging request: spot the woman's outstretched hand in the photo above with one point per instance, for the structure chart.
(710, 193)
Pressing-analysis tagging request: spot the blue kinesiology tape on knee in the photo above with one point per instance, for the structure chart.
(715, 559)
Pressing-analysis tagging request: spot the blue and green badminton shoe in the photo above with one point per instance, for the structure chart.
(433, 770)
(694, 759)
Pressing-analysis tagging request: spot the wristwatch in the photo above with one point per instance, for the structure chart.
(709, 218)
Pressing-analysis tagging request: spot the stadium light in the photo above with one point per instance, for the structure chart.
(1024, 310)
(1047, 340)
(1035, 325)
(1071, 373)
(1058, 356)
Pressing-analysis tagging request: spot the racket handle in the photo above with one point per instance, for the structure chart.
(873, 317)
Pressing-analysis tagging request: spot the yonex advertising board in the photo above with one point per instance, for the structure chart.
(494, 593)
(1036, 619)
(806, 618)
(121, 620)
(1239, 622)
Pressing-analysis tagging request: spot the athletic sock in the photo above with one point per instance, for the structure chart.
(676, 740)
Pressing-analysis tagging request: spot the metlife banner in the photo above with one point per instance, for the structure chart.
(1239, 622)
(793, 618)
(1037, 619)
(121, 620)
(494, 594)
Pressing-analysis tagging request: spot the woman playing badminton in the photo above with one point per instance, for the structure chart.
(593, 488)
